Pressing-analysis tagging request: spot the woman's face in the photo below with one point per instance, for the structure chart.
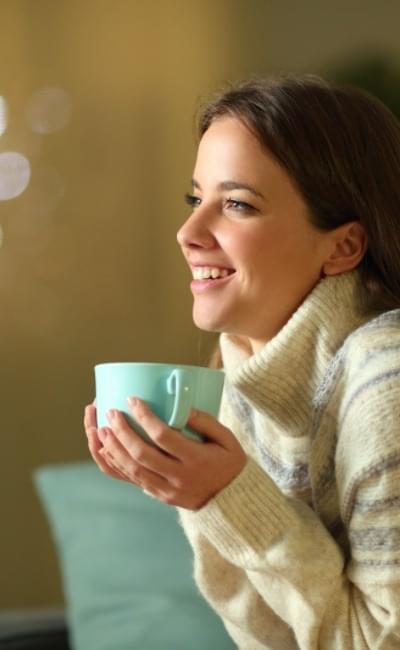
(249, 227)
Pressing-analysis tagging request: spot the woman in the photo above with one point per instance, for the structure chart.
(292, 506)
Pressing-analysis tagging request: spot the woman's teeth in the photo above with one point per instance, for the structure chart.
(207, 272)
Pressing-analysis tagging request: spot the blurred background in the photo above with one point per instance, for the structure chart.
(97, 145)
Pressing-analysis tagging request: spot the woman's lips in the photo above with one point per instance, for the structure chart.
(200, 286)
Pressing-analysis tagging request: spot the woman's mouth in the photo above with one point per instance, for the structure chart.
(209, 277)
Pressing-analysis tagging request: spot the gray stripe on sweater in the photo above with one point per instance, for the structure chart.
(364, 506)
(370, 356)
(336, 366)
(241, 408)
(385, 464)
(377, 564)
(287, 477)
(375, 539)
(368, 384)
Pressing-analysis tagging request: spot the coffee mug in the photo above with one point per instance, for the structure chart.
(169, 390)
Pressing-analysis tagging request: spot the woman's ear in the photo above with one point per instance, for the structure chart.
(349, 244)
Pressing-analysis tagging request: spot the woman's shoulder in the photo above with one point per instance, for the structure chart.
(376, 342)
(368, 415)
(369, 384)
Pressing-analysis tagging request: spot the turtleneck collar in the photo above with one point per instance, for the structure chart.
(281, 379)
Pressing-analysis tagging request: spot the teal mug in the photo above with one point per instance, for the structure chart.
(169, 390)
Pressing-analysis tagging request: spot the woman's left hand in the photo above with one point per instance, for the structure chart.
(178, 471)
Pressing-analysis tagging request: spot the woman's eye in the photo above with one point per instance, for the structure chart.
(239, 206)
(230, 204)
(192, 200)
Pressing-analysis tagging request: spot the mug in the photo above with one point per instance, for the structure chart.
(169, 390)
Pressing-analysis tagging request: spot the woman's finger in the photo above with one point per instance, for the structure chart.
(172, 441)
(90, 417)
(110, 467)
(214, 431)
(141, 451)
(95, 446)
(126, 464)
(151, 484)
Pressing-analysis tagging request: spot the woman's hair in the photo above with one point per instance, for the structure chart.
(341, 148)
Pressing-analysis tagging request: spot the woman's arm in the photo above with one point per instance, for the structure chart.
(295, 566)
(273, 553)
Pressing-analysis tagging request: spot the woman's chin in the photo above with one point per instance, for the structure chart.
(207, 322)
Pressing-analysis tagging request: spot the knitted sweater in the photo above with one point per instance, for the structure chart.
(302, 548)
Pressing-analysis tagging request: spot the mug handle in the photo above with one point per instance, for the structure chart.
(178, 384)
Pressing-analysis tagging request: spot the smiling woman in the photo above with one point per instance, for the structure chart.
(292, 502)
(276, 253)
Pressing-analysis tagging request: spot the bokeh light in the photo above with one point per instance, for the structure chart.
(49, 110)
(15, 173)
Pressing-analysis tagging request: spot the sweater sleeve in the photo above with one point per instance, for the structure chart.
(283, 552)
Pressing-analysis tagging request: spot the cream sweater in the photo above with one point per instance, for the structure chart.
(302, 549)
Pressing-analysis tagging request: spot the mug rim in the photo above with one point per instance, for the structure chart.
(173, 366)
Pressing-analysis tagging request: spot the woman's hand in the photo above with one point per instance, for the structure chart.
(178, 471)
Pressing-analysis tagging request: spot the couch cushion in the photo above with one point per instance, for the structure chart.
(126, 566)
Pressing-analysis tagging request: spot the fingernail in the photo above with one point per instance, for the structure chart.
(133, 401)
(103, 433)
(110, 415)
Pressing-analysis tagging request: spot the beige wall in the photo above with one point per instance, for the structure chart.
(89, 267)
(98, 277)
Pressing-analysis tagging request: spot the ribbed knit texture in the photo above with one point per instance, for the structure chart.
(302, 549)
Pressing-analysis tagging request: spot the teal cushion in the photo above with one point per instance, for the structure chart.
(126, 566)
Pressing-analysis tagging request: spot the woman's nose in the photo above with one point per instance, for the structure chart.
(196, 232)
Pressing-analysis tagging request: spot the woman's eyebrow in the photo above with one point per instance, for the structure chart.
(232, 185)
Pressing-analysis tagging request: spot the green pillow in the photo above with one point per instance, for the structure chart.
(126, 566)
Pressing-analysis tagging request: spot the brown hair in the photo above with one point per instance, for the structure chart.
(341, 148)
